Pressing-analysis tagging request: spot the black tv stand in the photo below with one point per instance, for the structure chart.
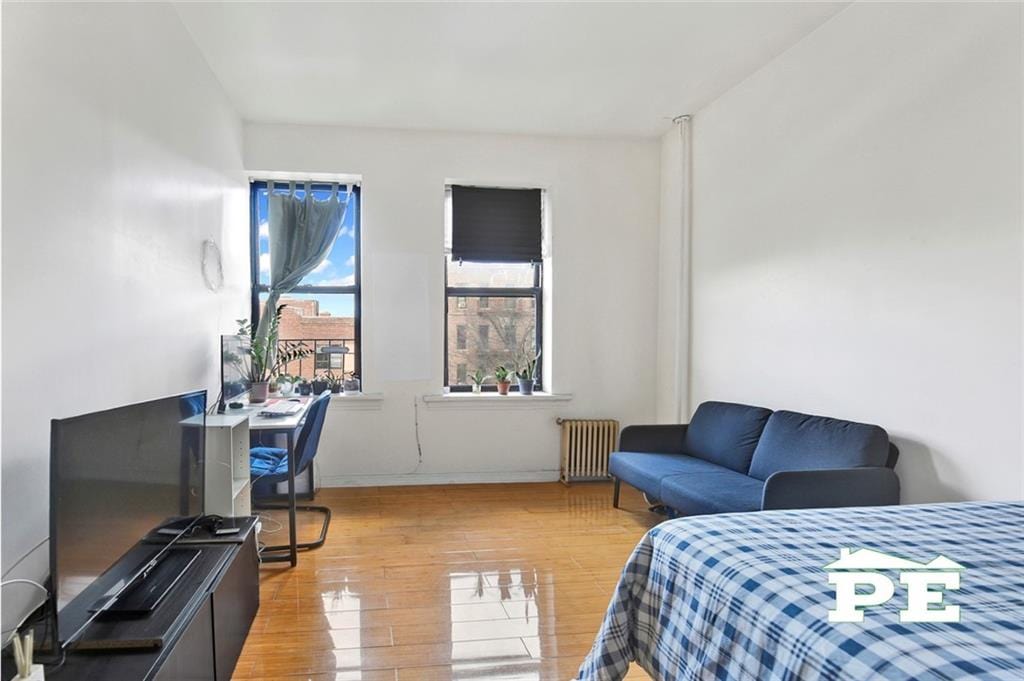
(143, 597)
(195, 632)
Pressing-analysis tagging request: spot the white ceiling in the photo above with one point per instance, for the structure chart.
(557, 68)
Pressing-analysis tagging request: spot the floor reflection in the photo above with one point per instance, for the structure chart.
(467, 582)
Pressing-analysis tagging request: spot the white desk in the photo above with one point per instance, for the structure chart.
(255, 424)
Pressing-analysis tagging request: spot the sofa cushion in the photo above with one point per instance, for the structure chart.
(725, 433)
(645, 470)
(721, 491)
(796, 442)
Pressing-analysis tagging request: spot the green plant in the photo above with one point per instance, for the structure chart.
(501, 374)
(267, 355)
(478, 377)
(333, 380)
(527, 370)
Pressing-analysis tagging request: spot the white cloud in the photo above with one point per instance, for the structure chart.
(351, 262)
(350, 233)
(322, 266)
(338, 281)
(264, 262)
(264, 229)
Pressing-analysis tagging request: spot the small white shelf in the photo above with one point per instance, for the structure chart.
(238, 486)
(226, 488)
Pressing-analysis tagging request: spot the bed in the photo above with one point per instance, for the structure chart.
(746, 596)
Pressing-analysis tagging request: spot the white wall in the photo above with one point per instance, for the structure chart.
(121, 155)
(857, 238)
(603, 196)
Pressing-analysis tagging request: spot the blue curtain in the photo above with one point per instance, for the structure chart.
(302, 231)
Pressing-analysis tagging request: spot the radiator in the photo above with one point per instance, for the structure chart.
(586, 445)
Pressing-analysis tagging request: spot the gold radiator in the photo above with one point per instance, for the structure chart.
(586, 445)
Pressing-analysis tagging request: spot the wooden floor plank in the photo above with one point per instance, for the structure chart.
(444, 582)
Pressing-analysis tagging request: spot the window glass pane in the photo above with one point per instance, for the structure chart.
(326, 323)
(484, 338)
(491, 275)
(338, 269)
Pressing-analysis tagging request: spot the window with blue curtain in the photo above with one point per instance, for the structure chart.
(324, 309)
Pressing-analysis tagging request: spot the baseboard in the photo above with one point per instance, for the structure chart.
(436, 479)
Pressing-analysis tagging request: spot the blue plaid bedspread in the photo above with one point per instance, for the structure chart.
(745, 596)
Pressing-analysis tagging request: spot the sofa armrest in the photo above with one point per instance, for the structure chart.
(653, 439)
(831, 488)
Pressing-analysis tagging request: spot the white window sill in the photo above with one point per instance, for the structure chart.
(495, 401)
(363, 401)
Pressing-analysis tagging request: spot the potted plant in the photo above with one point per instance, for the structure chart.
(267, 355)
(526, 375)
(320, 384)
(305, 388)
(501, 377)
(351, 384)
(285, 384)
(478, 377)
(334, 382)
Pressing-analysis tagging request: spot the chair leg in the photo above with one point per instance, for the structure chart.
(615, 494)
(304, 546)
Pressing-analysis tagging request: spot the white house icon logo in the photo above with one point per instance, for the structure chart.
(861, 568)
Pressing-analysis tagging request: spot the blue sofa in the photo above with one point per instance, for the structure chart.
(734, 457)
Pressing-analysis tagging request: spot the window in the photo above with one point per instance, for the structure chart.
(324, 308)
(514, 277)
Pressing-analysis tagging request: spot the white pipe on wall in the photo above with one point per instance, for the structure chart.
(682, 359)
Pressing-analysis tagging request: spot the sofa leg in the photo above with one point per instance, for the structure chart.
(615, 494)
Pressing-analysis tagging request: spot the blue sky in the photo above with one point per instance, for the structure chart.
(338, 269)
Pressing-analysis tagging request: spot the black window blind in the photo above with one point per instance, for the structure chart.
(496, 225)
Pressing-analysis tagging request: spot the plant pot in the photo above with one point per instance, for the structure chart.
(477, 389)
(286, 388)
(351, 386)
(305, 389)
(258, 392)
(503, 387)
(525, 386)
(319, 387)
(274, 387)
(336, 389)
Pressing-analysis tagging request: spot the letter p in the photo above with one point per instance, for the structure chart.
(850, 604)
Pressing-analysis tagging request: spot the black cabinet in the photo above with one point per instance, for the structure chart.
(235, 600)
(192, 657)
(206, 619)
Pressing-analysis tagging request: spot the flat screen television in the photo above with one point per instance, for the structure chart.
(125, 485)
(235, 357)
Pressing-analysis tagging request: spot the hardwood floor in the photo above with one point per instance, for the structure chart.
(445, 582)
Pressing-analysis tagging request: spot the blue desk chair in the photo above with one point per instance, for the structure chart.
(269, 466)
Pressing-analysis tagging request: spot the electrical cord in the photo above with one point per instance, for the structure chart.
(27, 554)
(14, 631)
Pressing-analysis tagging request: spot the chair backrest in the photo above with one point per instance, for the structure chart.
(309, 436)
